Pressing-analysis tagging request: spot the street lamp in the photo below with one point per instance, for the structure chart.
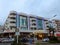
(52, 17)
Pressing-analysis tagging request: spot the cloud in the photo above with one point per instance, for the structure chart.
(44, 8)
(8, 5)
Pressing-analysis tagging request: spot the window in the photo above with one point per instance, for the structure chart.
(12, 22)
(12, 27)
(47, 23)
(34, 28)
(33, 20)
(12, 13)
(23, 21)
(12, 18)
(31, 28)
(34, 24)
(23, 28)
(40, 25)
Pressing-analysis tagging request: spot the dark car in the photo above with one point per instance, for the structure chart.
(24, 40)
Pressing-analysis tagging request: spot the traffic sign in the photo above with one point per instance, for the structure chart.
(17, 33)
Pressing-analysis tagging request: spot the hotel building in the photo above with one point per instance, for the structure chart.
(27, 24)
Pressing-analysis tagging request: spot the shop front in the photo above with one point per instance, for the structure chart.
(57, 34)
(9, 33)
(25, 34)
(40, 34)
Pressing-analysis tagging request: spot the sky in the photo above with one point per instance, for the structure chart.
(43, 8)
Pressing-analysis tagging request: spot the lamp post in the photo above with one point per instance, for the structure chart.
(52, 17)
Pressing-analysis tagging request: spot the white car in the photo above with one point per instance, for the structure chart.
(8, 40)
(45, 39)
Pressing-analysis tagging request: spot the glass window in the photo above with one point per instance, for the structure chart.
(23, 23)
(23, 28)
(12, 22)
(40, 25)
(12, 18)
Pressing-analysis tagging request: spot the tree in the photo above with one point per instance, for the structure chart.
(51, 29)
(52, 37)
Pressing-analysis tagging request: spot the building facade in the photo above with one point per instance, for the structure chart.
(26, 23)
(57, 28)
(57, 22)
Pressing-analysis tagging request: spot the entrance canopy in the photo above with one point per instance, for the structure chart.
(40, 31)
(9, 31)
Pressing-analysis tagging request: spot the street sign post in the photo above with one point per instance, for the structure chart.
(17, 33)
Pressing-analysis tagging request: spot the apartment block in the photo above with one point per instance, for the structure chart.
(57, 22)
(10, 23)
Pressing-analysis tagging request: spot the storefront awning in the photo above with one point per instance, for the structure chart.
(9, 31)
(57, 34)
(40, 31)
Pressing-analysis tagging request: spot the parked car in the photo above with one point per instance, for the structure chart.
(1, 40)
(45, 39)
(24, 39)
(8, 40)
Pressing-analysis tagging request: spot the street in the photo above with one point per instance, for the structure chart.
(51, 44)
(31, 44)
(5, 43)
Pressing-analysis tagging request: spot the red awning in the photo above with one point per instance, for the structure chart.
(58, 35)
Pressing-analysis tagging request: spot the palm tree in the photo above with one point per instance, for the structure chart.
(51, 29)
(52, 37)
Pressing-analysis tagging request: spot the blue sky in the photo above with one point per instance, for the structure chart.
(44, 8)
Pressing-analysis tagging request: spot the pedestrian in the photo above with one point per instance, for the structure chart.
(30, 40)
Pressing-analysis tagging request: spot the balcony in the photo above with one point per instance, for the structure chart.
(12, 16)
(47, 28)
(12, 24)
(12, 20)
(23, 26)
(32, 19)
(33, 26)
(32, 23)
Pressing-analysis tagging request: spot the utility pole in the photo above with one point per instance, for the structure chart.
(17, 33)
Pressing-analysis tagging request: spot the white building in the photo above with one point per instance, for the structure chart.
(26, 23)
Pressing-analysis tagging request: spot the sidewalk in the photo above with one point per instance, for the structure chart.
(29, 44)
(36, 42)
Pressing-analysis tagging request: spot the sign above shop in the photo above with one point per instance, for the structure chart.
(7, 31)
